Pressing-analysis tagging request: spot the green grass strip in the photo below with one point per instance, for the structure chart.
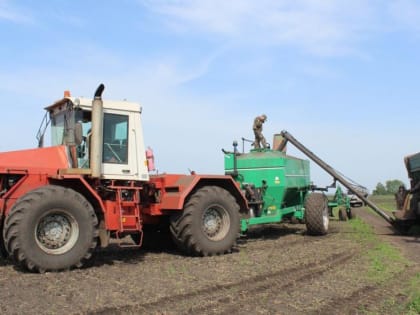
(386, 262)
(413, 306)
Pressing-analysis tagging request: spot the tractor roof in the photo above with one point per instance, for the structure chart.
(86, 103)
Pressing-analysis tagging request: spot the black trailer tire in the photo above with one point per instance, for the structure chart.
(316, 214)
(51, 228)
(208, 225)
(342, 214)
(351, 215)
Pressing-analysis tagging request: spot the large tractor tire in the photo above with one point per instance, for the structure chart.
(208, 225)
(50, 229)
(3, 250)
(316, 214)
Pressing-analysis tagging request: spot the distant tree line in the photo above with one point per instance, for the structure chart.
(390, 187)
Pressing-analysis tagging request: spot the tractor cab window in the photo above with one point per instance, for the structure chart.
(84, 119)
(115, 148)
(64, 125)
(57, 129)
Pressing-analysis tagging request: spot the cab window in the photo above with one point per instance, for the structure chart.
(115, 148)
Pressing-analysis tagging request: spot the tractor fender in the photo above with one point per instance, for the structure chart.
(178, 188)
(79, 184)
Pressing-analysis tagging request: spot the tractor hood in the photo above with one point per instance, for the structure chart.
(41, 160)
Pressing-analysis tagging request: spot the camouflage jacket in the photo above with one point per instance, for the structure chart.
(258, 124)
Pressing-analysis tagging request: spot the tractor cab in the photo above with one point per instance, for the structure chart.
(120, 151)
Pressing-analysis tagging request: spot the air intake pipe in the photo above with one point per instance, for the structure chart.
(97, 133)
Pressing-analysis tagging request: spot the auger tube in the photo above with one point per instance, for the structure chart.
(288, 137)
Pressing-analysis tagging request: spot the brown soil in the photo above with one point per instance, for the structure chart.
(275, 270)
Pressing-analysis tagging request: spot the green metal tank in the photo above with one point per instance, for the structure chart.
(275, 184)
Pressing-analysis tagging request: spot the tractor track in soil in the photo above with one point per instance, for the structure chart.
(277, 269)
(280, 280)
(369, 297)
(257, 240)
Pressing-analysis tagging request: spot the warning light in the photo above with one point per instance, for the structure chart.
(66, 93)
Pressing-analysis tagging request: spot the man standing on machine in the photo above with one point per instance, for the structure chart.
(258, 127)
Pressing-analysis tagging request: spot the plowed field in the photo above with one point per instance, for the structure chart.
(277, 269)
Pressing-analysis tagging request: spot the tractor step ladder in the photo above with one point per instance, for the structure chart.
(130, 220)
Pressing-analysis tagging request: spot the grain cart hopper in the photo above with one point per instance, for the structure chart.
(278, 188)
(58, 203)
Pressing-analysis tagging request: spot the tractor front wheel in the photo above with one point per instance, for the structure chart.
(316, 214)
(51, 228)
(209, 223)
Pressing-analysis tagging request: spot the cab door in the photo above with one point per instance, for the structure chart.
(118, 142)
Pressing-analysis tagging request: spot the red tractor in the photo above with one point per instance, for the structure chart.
(58, 203)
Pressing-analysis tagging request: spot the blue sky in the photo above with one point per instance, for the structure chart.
(342, 76)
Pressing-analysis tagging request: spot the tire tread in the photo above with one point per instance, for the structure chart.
(182, 225)
(12, 227)
(315, 206)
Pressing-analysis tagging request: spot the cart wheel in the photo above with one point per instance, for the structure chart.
(316, 214)
(351, 215)
(342, 214)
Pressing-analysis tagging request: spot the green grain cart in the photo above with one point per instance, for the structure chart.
(278, 188)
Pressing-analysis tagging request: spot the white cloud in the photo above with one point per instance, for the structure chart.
(406, 13)
(187, 130)
(13, 14)
(322, 27)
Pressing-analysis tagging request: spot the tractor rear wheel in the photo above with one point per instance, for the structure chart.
(51, 228)
(3, 250)
(209, 223)
(316, 214)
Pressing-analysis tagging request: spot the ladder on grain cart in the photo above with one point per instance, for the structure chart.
(287, 137)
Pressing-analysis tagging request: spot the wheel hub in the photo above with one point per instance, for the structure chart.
(212, 222)
(56, 232)
(215, 223)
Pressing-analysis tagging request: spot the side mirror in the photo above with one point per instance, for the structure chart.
(41, 141)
